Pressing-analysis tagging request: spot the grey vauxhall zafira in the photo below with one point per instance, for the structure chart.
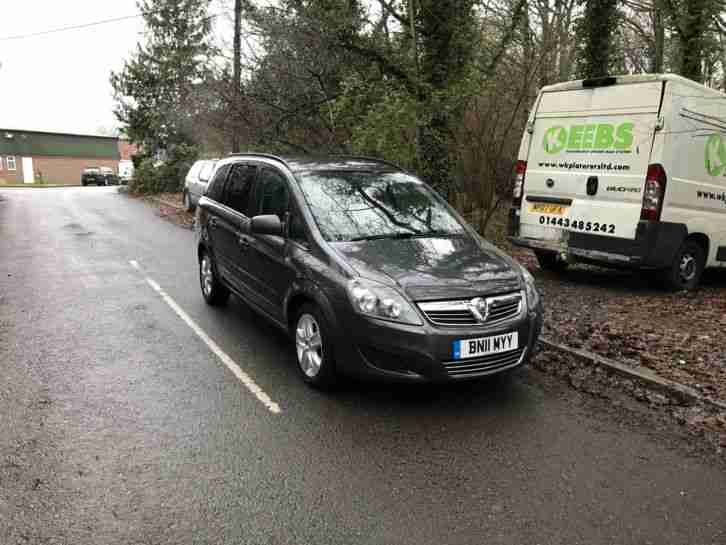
(370, 271)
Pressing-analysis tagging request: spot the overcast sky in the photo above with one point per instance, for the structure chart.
(60, 82)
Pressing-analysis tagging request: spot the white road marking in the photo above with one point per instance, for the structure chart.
(243, 377)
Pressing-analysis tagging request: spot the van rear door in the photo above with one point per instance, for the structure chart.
(588, 160)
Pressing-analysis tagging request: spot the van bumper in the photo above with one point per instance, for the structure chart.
(655, 246)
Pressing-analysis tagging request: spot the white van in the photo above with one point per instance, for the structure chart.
(125, 170)
(627, 171)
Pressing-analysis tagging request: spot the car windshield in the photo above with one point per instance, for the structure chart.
(358, 205)
(92, 170)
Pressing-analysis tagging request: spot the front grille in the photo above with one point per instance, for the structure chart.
(451, 317)
(484, 365)
(502, 308)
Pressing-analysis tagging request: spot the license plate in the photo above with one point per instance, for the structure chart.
(484, 346)
(551, 209)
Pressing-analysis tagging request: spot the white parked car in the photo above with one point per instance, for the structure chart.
(195, 183)
(627, 171)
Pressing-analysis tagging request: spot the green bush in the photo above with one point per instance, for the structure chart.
(153, 176)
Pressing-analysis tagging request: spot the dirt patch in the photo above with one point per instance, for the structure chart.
(172, 198)
(179, 217)
(625, 316)
(175, 214)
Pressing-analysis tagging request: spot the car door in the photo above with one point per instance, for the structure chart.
(217, 229)
(268, 263)
(237, 200)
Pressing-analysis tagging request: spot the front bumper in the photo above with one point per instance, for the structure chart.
(370, 348)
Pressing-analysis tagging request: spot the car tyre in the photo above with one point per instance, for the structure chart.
(687, 267)
(314, 348)
(551, 261)
(214, 292)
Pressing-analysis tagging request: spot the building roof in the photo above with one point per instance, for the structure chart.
(33, 143)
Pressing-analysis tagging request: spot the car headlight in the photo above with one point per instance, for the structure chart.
(530, 289)
(379, 301)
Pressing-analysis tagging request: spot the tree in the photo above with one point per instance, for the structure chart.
(237, 66)
(154, 91)
(691, 20)
(554, 20)
(598, 26)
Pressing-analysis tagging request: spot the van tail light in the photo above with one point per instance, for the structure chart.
(653, 193)
(520, 170)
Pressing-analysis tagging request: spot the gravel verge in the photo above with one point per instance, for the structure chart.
(170, 207)
(624, 316)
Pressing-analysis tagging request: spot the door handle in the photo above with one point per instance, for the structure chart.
(592, 185)
(213, 222)
(243, 243)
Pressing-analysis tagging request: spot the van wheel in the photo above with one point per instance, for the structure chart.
(687, 268)
(551, 261)
(214, 293)
(314, 348)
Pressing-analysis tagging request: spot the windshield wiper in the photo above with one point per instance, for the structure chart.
(439, 233)
(385, 235)
(426, 234)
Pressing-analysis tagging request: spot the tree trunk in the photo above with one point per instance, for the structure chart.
(237, 71)
(600, 21)
(692, 33)
(417, 68)
(446, 42)
(658, 38)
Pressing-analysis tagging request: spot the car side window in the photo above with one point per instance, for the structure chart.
(239, 188)
(272, 194)
(216, 187)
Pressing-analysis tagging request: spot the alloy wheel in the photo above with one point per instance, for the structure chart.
(309, 344)
(207, 276)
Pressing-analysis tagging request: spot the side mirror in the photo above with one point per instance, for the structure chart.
(266, 225)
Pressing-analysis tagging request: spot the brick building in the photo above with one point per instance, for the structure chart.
(56, 158)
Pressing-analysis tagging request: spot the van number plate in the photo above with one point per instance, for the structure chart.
(546, 208)
(484, 346)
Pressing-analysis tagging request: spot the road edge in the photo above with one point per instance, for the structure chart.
(622, 384)
(166, 203)
(647, 378)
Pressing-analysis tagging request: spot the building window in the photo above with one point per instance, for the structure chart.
(11, 163)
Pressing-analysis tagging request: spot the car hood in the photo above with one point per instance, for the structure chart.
(433, 268)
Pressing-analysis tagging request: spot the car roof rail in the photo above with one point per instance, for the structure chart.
(258, 154)
(374, 159)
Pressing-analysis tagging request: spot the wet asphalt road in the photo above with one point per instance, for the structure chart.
(118, 425)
